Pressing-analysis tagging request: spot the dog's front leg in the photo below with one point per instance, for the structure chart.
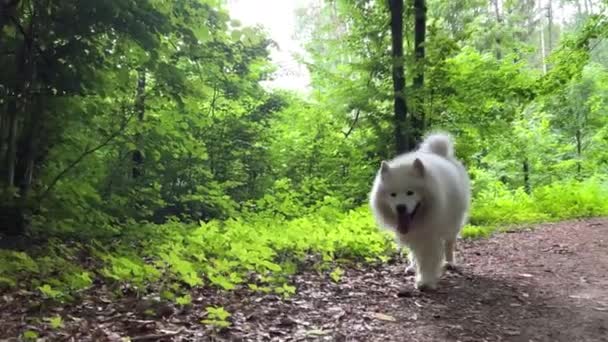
(450, 260)
(429, 260)
(411, 267)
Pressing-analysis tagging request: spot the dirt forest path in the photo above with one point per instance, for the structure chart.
(545, 284)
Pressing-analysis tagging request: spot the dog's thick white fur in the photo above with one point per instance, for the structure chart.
(424, 197)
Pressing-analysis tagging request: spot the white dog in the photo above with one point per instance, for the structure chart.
(424, 196)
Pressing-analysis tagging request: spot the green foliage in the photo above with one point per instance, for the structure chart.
(198, 121)
(55, 322)
(286, 290)
(183, 300)
(14, 266)
(476, 232)
(52, 271)
(130, 267)
(30, 335)
(267, 245)
(217, 317)
(571, 199)
(220, 253)
(336, 274)
(48, 292)
(557, 201)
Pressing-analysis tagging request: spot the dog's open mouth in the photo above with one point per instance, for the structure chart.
(404, 219)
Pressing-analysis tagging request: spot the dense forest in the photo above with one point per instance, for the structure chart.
(139, 145)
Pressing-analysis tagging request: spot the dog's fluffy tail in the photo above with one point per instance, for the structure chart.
(439, 143)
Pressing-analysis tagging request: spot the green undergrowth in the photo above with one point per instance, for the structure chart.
(257, 251)
(498, 207)
(261, 251)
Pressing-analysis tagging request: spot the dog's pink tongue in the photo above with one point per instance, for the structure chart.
(403, 222)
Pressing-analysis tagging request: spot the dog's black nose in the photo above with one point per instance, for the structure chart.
(401, 209)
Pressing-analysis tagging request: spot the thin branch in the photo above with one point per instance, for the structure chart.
(215, 90)
(352, 126)
(83, 155)
(356, 119)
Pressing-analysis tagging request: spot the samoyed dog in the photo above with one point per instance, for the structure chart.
(424, 197)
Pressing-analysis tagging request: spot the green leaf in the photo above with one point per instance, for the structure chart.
(55, 322)
(30, 335)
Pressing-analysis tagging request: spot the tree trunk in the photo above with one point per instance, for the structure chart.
(526, 170)
(542, 38)
(29, 146)
(499, 22)
(579, 10)
(14, 109)
(140, 109)
(4, 130)
(400, 105)
(579, 150)
(11, 153)
(549, 27)
(12, 209)
(417, 116)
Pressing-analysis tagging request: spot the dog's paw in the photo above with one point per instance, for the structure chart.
(410, 270)
(425, 286)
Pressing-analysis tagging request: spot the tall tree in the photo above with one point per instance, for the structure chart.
(499, 22)
(418, 116)
(402, 129)
(140, 110)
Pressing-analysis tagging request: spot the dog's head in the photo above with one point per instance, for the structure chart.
(402, 188)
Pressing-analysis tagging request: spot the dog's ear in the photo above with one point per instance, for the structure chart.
(419, 167)
(385, 169)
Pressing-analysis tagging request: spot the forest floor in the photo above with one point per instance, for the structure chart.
(549, 283)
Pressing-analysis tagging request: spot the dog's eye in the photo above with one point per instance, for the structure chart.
(393, 194)
(409, 193)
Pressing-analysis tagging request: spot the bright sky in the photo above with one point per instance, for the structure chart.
(278, 18)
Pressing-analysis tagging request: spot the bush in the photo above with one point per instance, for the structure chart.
(561, 200)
